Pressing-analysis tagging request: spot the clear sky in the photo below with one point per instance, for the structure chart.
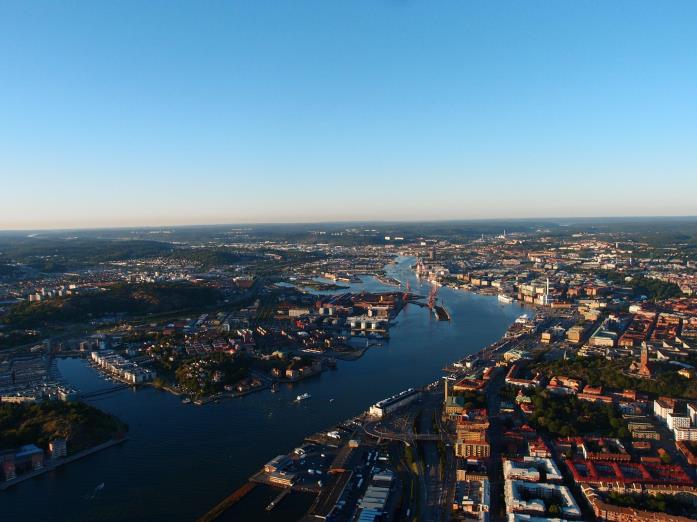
(149, 113)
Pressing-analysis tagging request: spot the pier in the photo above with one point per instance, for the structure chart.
(228, 502)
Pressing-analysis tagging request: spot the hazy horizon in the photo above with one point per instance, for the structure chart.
(129, 114)
(375, 222)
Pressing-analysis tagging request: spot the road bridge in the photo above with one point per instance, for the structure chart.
(104, 391)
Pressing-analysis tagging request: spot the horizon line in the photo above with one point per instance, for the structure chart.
(348, 222)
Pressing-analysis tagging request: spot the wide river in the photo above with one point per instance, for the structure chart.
(180, 459)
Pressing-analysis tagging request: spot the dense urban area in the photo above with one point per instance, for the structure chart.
(586, 408)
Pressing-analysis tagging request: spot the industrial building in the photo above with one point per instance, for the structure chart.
(373, 502)
(387, 406)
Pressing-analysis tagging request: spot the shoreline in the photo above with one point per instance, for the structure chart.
(52, 465)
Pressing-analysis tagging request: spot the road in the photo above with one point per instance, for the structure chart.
(432, 489)
(449, 468)
(494, 466)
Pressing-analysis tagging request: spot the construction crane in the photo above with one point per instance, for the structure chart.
(433, 294)
(407, 291)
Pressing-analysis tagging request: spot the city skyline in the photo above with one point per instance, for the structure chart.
(357, 261)
(129, 115)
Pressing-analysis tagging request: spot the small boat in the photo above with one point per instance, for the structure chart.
(302, 397)
(96, 490)
(505, 298)
(331, 400)
(186, 401)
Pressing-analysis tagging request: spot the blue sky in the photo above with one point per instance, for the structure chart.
(149, 113)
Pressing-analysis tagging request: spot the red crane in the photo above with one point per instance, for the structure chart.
(433, 294)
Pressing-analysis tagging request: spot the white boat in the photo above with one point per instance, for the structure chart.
(505, 298)
(99, 488)
(302, 397)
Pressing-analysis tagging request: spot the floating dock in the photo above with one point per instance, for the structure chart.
(441, 313)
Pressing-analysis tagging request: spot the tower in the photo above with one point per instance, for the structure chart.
(644, 355)
(546, 296)
(644, 368)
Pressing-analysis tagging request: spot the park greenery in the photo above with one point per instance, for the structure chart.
(17, 337)
(81, 425)
(660, 503)
(119, 299)
(598, 371)
(655, 289)
(471, 399)
(7, 270)
(209, 257)
(568, 416)
(60, 254)
(208, 376)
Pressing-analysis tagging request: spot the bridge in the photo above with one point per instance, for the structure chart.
(104, 391)
(406, 437)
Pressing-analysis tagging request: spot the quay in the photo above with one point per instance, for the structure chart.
(387, 280)
(261, 477)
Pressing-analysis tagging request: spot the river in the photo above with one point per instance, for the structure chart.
(180, 459)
